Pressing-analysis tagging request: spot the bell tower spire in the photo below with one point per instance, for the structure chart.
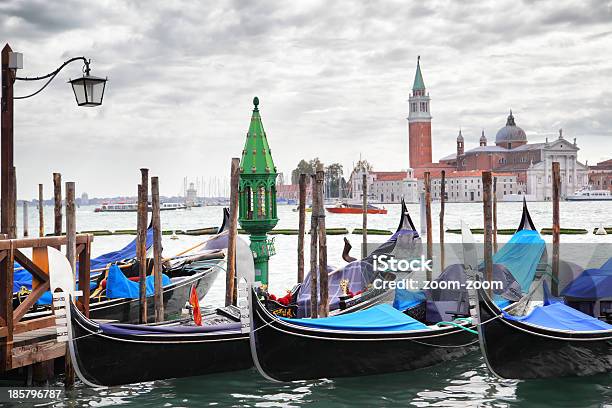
(419, 122)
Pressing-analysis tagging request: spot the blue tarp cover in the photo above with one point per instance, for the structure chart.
(377, 318)
(561, 317)
(591, 284)
(521, 256)
(118, 286)
(405, 298)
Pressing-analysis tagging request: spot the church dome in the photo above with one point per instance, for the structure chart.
(510, 133)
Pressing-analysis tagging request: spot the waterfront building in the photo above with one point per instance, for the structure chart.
(600, 176)
(530, 163)
(191, 195)
(466, 186)
(385, 187)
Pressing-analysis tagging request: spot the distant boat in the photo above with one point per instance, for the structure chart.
(133, 207)
(587, 194)
(342, 208)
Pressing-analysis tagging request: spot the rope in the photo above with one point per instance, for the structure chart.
(87, 335)
(454, 324)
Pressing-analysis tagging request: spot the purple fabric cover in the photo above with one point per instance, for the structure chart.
(123, 329)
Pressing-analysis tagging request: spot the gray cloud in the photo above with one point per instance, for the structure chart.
(333, 79)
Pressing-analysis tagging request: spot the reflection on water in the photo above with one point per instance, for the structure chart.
(460, 383)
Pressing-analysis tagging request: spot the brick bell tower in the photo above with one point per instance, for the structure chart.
(419, 122)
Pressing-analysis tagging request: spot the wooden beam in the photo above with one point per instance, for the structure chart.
(41, 242)
(314, 235)
(364, 218)
(38, 271)
(323, 275)
(427, 182)
(25, 219)
(442, 201)
(6, 142)
(301, 228)
(230, 276)
(495, 214)
(29, 325)
(41, 212)
(57, 200)
(36, 353)
(488, 228)
(6, 308)
(141, 246)
(29, 301)
(84, 259)
(157, 249)
(556, 227)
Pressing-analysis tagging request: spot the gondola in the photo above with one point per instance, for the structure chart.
(288, 350)
(199, 271)
(537, 346)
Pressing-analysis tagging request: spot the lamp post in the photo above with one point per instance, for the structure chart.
(88, 91)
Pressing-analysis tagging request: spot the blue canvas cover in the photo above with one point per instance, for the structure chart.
(591, 284)
(561, 317)
(118, 286)
(23, 278)
(521, 256)
(377, 318)
(405, 298)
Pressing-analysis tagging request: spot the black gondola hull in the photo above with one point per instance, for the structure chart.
(107, 360)
(515, 350)
(287, 352)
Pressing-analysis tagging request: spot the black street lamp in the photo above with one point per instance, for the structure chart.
(88, 91)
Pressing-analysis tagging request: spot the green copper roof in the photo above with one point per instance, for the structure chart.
(256, 156)
(418, 77)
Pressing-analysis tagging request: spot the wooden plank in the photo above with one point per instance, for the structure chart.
(41, 242)
(314, 295)
(301, 228)
(6, 309)
(143, 211)
(230, 276)
(157, 249)
(36, 353)
(33, 336)
(28, 325)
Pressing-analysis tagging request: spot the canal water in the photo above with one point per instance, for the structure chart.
(464, 382)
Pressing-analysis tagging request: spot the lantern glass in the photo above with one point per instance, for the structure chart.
(88, 90)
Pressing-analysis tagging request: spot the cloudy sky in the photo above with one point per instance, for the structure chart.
(333, 78)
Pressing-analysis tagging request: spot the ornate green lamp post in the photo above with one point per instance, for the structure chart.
(257, 194)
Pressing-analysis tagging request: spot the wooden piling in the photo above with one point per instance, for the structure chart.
(302, 228)
(427, 182)
(57, 200)
(364, 223)
(25, 220)
(142, 222)
(230, 278)
(157, 250)
(442, 201)
(556, 227)
(323, 275)
(71, 255)
(41, 212)
(314, 293)
(495, 214)
(488, 229)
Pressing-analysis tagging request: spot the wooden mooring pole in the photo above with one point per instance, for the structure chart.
(364, 224)
(427, 182)
(142, 219)
(488, 229)
(495, 214)
(157, 250)
(71, 255)
(314, 293)
(41, 212)
(230, 278)
(302, 228)
(26, 233)
(442, 201)
(57, 201)
(323, 275)
(556, 191)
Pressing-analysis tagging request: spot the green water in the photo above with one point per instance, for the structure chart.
(460, 383)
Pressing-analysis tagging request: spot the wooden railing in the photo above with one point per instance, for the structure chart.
(38, 265)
